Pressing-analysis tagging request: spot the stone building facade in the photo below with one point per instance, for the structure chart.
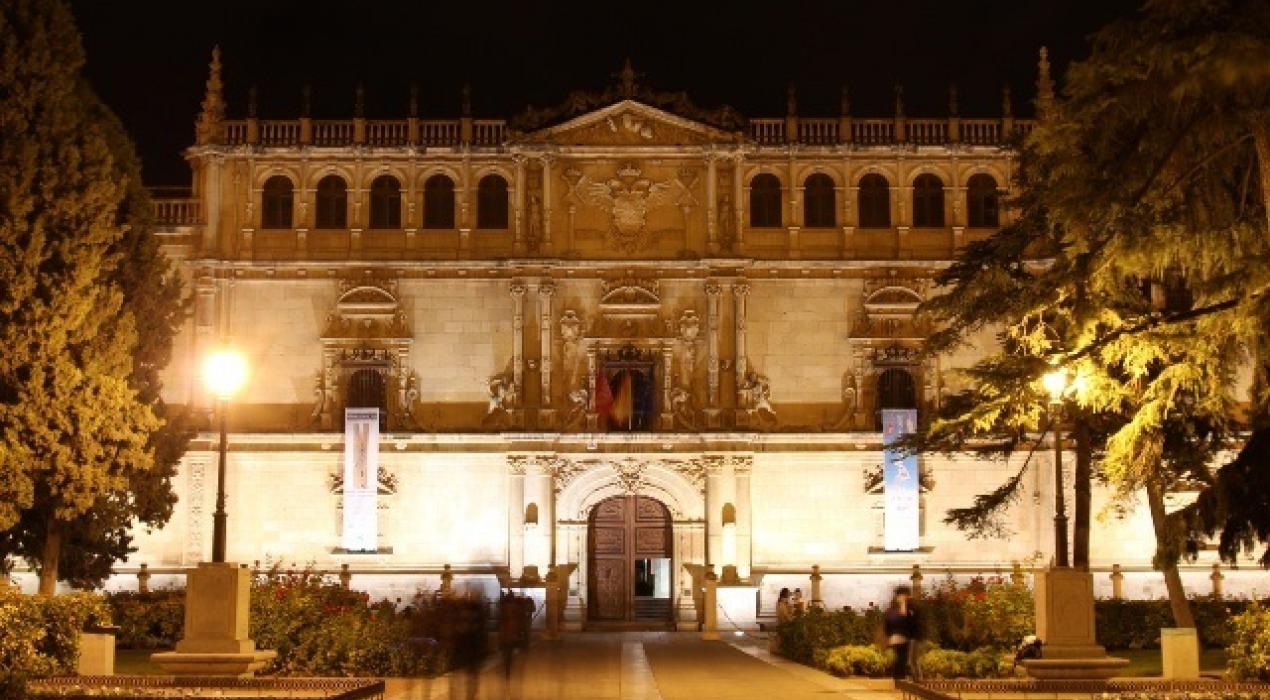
(627, 333)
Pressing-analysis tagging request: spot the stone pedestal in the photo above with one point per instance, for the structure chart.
(1179, 649)
(574, 614)
(216, 642)
(1065, 625)
(96, 654)
(710, 626)
(556, 595)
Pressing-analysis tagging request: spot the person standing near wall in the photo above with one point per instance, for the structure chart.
(902, 628)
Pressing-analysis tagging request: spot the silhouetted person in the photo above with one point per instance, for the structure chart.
(901, 627)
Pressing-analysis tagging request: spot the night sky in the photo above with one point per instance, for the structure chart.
(148, 60)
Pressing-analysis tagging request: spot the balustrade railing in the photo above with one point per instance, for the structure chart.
(981, 132)
(279, 133)
(928, 132)
(818, 132)
(488, 132)
(436, 132)
(873, 132)
(387, 133)
(236, 132)
(176, 212)
(767, 131)
(332, 132)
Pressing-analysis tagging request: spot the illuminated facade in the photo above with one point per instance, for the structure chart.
(627, 334)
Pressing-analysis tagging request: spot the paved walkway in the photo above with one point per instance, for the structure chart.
(641, 666)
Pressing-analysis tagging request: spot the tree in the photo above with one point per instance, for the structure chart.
(1144, 194)
(75, 431)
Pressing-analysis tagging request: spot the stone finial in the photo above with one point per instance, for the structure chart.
(952, 100)
(465, 100)
(1007, 106)
(1216, 577)
(1017, 576)
(306, 101)
(791, 100)
(143, 579)
(627, 77)
(359, 101)
(211, 118)
(253, 102)
(1044, 87)
(346, 577)
(899, 100)
(916, 579)
(447, 581)
(414, 100)
(844, 101)
(1117, 582)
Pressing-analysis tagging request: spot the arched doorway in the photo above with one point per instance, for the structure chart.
(628, 561)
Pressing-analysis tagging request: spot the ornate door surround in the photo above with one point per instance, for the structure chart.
(622, 529)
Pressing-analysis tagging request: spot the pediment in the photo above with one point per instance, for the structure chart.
(630, 123)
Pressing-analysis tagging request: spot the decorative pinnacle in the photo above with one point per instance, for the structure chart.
(359, 101)
(1044, 86)
(252, 102)
(899, 100)
(1007, 106)
(211, 117)
(791, 100)
(306, 100)
(844, 101)
(952, 100)
(627, 77)
(466, 100)
(414, 100)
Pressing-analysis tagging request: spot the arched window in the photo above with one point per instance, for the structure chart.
(491, 202)
(818, 202)
(765, 201)
(438, 202)
(332, 203)
(928, 201)
(895, 389)
(981, 201)
(385, 202)
(875, 202)
(366, 389)
(275, 203)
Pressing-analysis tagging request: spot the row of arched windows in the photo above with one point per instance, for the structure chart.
(331, 203)
(820, 208)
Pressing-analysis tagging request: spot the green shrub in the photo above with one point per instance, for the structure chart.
(951, 663)
(853, 660)
(151, 620)
(41, 634)
(985, 612)
(1136, 624)
(1248, 655)
(817, 629)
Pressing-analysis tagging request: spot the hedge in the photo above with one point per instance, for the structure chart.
(1248, 654)
(1136, 624)
(41, 633)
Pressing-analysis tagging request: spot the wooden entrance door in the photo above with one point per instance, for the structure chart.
(623, 530)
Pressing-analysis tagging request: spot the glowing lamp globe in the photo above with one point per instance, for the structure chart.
(225, 372)
(1055, 382)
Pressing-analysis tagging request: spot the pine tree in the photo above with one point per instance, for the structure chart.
(73, 428)
(1146, 197)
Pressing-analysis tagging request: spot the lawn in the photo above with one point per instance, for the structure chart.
(136, 662)
(1147, 662)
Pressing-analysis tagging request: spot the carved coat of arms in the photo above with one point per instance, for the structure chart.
(627, 197)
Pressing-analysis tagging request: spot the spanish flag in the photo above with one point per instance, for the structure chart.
(603, 393)
(624, 401)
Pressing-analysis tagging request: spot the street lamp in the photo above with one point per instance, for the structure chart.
(225, 372)
(1056, 383)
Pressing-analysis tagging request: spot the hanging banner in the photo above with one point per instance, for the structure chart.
(900, 479)
(361, 479)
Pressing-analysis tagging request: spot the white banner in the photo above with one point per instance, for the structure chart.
(900, 479)
(361, 479)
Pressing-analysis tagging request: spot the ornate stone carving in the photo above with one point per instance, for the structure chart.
(385, 480)
(627, 197)
(630, 475)
(756, 394)
(681, 405)
(517, 464)
(630, 298)
(501, 390)
(194, 522)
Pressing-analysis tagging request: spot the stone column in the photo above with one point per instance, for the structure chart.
(211, 196)
(738, 201)
(515, 515)
(518, 339)
(741, 468)
(464, 195)
(518, 225)
(546, 160)
(592, 365)
(546, 290)
(714, 511)
(712, 224)
(143, 579)
(667, 383)
(740, 291)
(816, 578)
(1117, 582)
(713, 291)
(1216, 577)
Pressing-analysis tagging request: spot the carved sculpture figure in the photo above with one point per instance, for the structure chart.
(502, 394)
(682, 408)
(579, 402)
(727, 222)
(534, 236)
(756, 393)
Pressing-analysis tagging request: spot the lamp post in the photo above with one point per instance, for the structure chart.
(225, 372)
(1056, 384)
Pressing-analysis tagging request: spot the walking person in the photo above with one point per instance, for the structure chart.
(902, 628)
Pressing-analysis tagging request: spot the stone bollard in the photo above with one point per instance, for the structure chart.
(1179, 653)
(816, 600)
(96, 652)
(447, 581)
(710, 630)
(551, 600)
(1216, 577)
(1117, 583)
(143, 579)
(916, 580)
(1017, 577)
(346, 577)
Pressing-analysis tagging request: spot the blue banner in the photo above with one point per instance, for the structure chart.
(900, 479)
